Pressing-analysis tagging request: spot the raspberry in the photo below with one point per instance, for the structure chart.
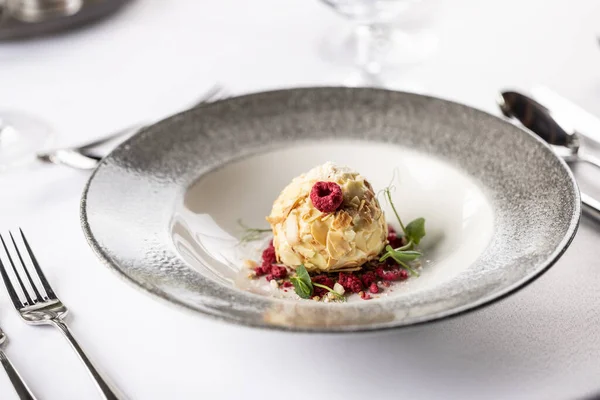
(278, 272)
(368, 278)
(395, 274)
(373, 288)
(350, 282)
(287, 284)
(262, 270)
(365, 296)
(322, 280)
(326, 196)
(268, 255)
(394, 240)
(269, 277)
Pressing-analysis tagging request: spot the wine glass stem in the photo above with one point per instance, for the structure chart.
(373, 41)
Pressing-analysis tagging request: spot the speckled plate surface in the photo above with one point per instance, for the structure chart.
(161, 209)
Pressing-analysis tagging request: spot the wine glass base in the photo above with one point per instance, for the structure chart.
(401, 48)
(385, 80)
(22, 136)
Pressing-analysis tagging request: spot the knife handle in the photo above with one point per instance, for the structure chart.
(537, 118)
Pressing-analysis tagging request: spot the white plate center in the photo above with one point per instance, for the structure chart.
(459, 217)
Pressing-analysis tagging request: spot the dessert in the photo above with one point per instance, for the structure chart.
(328, 220)
(331, 238)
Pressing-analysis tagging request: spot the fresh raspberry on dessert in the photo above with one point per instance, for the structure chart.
(326, 196)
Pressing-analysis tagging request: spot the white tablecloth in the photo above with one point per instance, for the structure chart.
(155, 57)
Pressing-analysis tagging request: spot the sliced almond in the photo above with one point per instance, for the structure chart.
(325, 217)
(291, 229)
(288, 257)
(291, 207)
(337, 246)
(319, 231)
(360, 241)
(274, 220)
(319, 261)
(349, 235)
(341, 221)
(304, 251)
(362, 204)
(331, 262)
(374, 242)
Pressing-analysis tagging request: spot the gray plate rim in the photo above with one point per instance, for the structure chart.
(439, 317)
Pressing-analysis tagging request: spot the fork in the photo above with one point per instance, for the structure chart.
(18, 383)
(37, 304)
(85, 157)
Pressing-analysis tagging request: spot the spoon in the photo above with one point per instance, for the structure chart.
(556, 132)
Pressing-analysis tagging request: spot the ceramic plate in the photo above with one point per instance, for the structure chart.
(162, 209)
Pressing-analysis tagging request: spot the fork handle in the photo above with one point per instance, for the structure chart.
(18, 383)
(109, 391)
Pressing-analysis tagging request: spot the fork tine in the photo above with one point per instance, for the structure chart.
(9, 286)
(39, 297)
(40, 274)
(11, 290)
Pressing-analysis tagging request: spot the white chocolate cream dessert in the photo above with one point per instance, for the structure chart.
(328, 220)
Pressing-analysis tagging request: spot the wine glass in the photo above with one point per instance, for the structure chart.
(375, 41)
(22, 136)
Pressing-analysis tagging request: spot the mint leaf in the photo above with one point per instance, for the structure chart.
(302, 283)
(415, 231)
(301, 288)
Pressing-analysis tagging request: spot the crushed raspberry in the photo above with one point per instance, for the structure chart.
(395, 274)
(350, 282)
(268, 255)
(373, 288)
(269, 277)
(368, 278)
(394, 240)
(278, 272)
(262, 270)
(386, 283)
(287, 284)
(326, 196)
(272, 271)
(365, 296)
(322, 280)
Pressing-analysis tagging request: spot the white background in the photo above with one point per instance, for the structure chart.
(157, 56)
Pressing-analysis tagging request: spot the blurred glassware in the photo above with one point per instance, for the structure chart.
(41, 10)
(22, 136)
(27, 18)
(376, 41)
